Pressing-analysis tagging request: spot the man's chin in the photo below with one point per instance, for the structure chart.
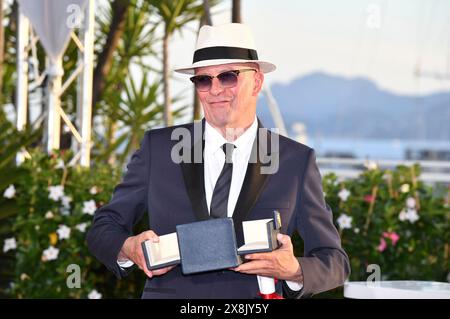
(219, 124)
(219, 120)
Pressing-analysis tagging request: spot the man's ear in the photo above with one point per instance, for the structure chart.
(259, 80)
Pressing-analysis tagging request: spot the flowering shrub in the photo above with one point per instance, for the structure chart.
(392, 219)
(57, 204)
(388, 218)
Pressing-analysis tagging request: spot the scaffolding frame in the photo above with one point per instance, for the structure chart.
(26, 44)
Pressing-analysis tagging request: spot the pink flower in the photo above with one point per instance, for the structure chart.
(382, 246)
(393, 236)
(369, 198)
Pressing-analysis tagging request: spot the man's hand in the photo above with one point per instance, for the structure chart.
(132, 250)
(280, 263)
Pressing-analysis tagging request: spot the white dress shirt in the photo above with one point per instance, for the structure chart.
(214, 158)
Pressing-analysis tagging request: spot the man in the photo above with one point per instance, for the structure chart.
(226, 181)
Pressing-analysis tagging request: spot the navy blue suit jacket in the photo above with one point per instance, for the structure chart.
(174, 194)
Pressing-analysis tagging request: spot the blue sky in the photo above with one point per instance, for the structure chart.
(383, 40)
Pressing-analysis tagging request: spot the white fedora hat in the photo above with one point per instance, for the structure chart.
(224, 44)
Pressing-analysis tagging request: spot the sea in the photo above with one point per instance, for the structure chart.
(389, 149)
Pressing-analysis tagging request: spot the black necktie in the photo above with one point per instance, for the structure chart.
(219, 201)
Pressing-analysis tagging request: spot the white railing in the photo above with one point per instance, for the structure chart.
(431, 171)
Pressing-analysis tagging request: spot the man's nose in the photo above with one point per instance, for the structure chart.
(216, 87)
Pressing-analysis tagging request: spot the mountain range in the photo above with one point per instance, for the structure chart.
(335, 106)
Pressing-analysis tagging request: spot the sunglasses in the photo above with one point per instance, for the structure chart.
(227, 79)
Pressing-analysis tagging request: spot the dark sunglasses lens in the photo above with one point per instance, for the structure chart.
(202, 83)
(228, 79)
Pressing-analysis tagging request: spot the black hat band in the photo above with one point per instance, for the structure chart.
(233, 53)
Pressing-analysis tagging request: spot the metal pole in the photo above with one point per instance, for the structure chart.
(53, 102)
(23, 29)
(275, 111)
(86, 84)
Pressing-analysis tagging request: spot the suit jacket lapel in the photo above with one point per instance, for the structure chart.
(254, 181)
(193, 174)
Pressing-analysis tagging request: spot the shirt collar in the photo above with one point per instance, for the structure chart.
(214, 140)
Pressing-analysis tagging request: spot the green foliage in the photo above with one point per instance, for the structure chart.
(377, 226)
(11, 141)
(9, 63)
(397, 222)
(136, 110)
(128, 106)
(41, 223)
(177, 13)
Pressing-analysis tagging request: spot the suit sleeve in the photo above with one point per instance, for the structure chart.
(113, 223)
(325, 264)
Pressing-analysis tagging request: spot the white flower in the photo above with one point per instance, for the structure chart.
(63, 232)
(37, 227)
(404, 188)
(89, 207)
(94, 294)
(402, 215)
(10, 192)
(66, 201)
(410, 215)
(344, 194)
(345, 221)
(93, 190)
(51, 253)
(56, 192)
(24, 276)
(81, 227)
(60, 164)
(410, 202)
(356, 230)
(324, 194)
(49, 215)
(10, 244)
(371, 165)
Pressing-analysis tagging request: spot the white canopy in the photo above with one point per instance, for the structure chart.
(53, 21)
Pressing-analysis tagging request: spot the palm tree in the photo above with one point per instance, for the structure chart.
(174, 15)
(205, 20)
(236, 12)
(136, 42)
(105, 58)
(138, 109)
(2, 48)
(7, 48)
